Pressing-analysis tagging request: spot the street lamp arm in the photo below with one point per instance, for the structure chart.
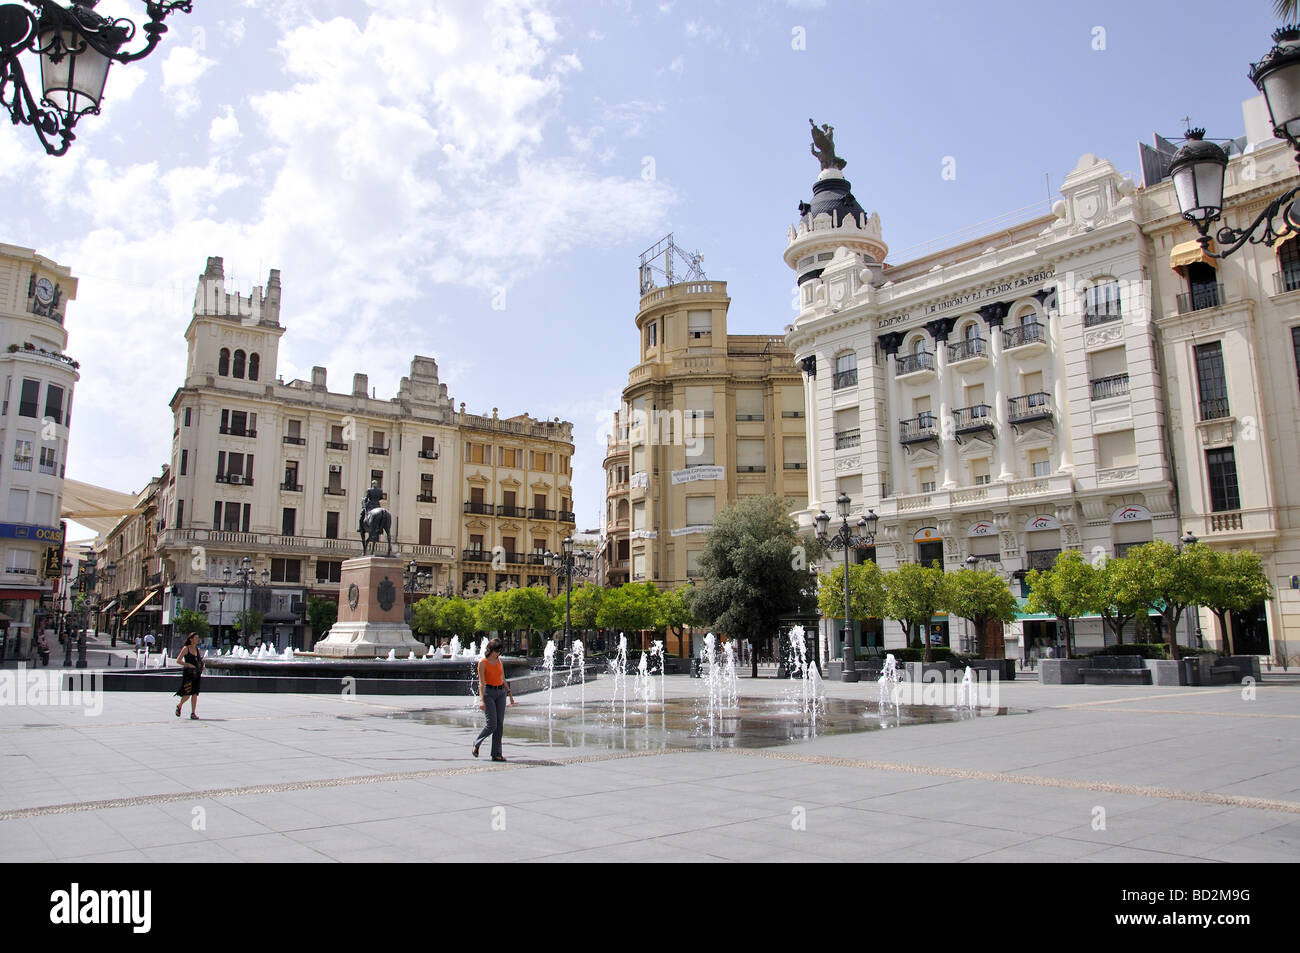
(1234, 238)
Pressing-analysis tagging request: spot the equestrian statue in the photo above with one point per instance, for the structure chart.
(374, 520)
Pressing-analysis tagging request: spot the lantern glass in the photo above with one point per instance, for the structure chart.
(823, 521)
(75, 83)
(842, 504)
(1281, 89)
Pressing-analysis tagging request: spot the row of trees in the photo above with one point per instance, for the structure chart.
(1155, 578)
(912, 594)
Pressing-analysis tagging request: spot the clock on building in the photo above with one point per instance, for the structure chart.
(44, 290)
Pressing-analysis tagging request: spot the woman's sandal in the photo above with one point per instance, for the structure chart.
(178, 711)
(194, 717)
(474, 751)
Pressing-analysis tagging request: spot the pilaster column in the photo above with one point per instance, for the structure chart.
(812, 433)
(889, 345)
(993, 316)
(939, 331)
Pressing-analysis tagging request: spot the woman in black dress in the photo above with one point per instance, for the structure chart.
(192, 659)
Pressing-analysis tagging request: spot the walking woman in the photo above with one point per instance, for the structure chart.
(191, 658)
(493, 690)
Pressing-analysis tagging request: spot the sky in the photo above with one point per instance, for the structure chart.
(475, 180)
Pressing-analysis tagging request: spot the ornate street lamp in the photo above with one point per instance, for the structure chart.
(110, 572)
(846, 539)
(1198, 167)
(245, 575)
(76, 46)
(67, 596)
(416, 578)
(88, 590)
(568, 564)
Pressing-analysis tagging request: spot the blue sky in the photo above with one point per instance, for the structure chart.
(407, 165)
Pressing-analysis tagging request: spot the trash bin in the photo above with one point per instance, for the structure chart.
(1191, 670)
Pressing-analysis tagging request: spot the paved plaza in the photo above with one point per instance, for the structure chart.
(1081, 773)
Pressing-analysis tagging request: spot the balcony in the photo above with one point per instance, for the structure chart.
(750, 417)
(335, 491)
(973, 419)
(918, 363)
(568, 516)
(792, 414)
(1103, 388)
(429, 454)
(971, 349)
(335, 445)
(1030, 336)
(481, 509)
(476, 555)
(1200, 298)
(919, 429)
(696, 414)
(379, 451)
(296, 441)
(424, 498)
(1288, 279)
(794, 465)
(848, 438)
(752, 468)
(519, 512)
(844, 379)
(1028, 408)
(1092, 318)
(537, 559)
(536, 513)
(234, 479)
(49, 469)
(291, 487)
(1214, 408)
(232, 432)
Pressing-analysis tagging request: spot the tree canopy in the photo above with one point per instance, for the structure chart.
(913, 594)
(1066, 591)
(980, 596)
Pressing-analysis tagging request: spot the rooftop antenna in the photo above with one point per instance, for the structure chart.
(667, 263)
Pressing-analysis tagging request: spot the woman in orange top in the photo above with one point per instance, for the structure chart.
(493, 690)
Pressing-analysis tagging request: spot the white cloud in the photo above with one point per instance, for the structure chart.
(223, 131)
(181, 71)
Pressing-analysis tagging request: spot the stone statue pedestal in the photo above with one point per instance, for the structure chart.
(372, 617)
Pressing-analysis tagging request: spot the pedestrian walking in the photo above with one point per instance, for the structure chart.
(493, 690)
(43, 647)
(191, 658)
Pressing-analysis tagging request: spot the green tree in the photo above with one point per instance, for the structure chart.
(584, 606)
(529, 609)
(979, 596)
(249, 623)
(913, 594)
(490, 613)
(866, 592)
(1119, 598)
(674, 613)
(321, 614)
(424, 616)
(631, 607)
(456, 616)
(1165, 581)
(754, 570)
(191, 620)
(1229, 582)
(1066, 591)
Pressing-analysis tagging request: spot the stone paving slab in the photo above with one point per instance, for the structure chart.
(1183, 775)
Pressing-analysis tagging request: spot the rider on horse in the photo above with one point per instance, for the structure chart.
(373, 499)
(374, 519)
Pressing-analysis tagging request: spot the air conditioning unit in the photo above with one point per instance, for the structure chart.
(236, 478)
(336, 468)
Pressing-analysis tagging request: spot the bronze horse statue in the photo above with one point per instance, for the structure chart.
(377, 520)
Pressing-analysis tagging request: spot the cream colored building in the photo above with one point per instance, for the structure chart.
(707, 418)
(38, 379)
(277, 471)
(1080, 380)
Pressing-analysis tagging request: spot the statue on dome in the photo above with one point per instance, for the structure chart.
(823, 146)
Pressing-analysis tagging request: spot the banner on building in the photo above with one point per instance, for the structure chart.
(692, 474)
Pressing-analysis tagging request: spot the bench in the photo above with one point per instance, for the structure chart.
(1116, 670)
(1224, 674)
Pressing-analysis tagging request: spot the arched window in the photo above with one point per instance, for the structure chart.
(238, 369)
(1101, 302)
(971, 332)
(254, 366)
(918, 345)
(223, 362)
(1030, 316)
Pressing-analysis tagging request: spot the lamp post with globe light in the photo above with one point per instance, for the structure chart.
(846, 539)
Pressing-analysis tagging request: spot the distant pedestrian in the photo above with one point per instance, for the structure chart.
(43, 647)
(493, 690)
(191, 658)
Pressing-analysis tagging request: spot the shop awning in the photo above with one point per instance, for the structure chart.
(1187, 253)
(149, 595)
(22, 593)
(108, 607)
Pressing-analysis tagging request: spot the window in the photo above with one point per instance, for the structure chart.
(749, 403)
(378, 440)
(478, 453)
(847, 431)
(1222, 464)
(254, 366)
(699, 452)
(377, 476)
(652, 334)
(751, 456)
(476, 542)
(509, 457)
(49, 461)
(286, 570)
(329, 570)
(699, 401)
(4, 410)
(1040, 464)
(846, 370)
(700, 510)
(1101, 303)
(185, 461)
(237, 366)
(541, 461)
(1295, 346)
(295, 431)
(1288, 258)
(17, 512)
(332, 525)
(28, 399)
(22, 454)
(288, 521)
(794, 452)
(223, 362)
(54, 403)
(1116, 449)
(290, 474)
(187, 416)
(925, 477)
(180, 514)
(979, 471)
(1202, 288)
(426, 532)
(1211, 383)
(638, 516)
(699, 325)
(792, 402)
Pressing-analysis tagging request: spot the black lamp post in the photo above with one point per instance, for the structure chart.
(245, 575)
(568, 564)
(87, 606)
(67, 596)
(75, 46)
(110, 572)
(1198, 167)
(415, 578)
(1189, 539)
(221, 608)
(845, 539)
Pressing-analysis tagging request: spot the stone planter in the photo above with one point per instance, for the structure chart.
(1165, 672)
(1061, 671)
